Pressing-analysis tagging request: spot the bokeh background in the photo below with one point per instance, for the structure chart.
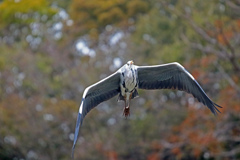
(51, 50)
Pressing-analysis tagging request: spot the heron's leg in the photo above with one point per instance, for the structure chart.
(126, 111)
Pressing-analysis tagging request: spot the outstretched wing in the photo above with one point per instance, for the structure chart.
(94, 95)
(173, 76)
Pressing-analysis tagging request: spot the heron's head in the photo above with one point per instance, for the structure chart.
(130, 63)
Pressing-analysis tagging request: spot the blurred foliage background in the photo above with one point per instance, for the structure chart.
(51, 50)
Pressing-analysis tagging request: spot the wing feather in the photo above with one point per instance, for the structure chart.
(173, 76)
(94, 95)
(99, 92)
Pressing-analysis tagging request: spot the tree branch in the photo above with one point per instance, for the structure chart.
(231, 48)
(228, 78)
(232, 5)
(230, 55)
(209, 49)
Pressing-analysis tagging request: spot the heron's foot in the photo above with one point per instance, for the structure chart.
(126, 112)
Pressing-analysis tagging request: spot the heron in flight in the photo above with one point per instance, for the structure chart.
(130, 77)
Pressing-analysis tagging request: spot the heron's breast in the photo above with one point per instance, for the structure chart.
(130, 81)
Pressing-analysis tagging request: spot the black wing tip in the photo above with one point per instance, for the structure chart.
(214, 108)
(72, 155)
(78, 124)
(217, 105)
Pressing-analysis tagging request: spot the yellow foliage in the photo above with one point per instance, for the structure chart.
(135, 7)
(103, 13)
(114, 15)
(18, 11)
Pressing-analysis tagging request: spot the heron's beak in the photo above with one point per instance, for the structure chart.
(131, 62)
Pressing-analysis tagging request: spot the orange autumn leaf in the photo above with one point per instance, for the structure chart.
(176, 150)
(197, 152)
(207, 60)
(153, 156)
(112, 155)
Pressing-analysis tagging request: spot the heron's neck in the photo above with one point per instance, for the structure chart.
(129, 72)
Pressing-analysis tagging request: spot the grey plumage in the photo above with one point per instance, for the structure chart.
(101, 91)
(94, 95)
(129, 78)
(173, 76)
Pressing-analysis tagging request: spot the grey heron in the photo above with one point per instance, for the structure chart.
(130, 77)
